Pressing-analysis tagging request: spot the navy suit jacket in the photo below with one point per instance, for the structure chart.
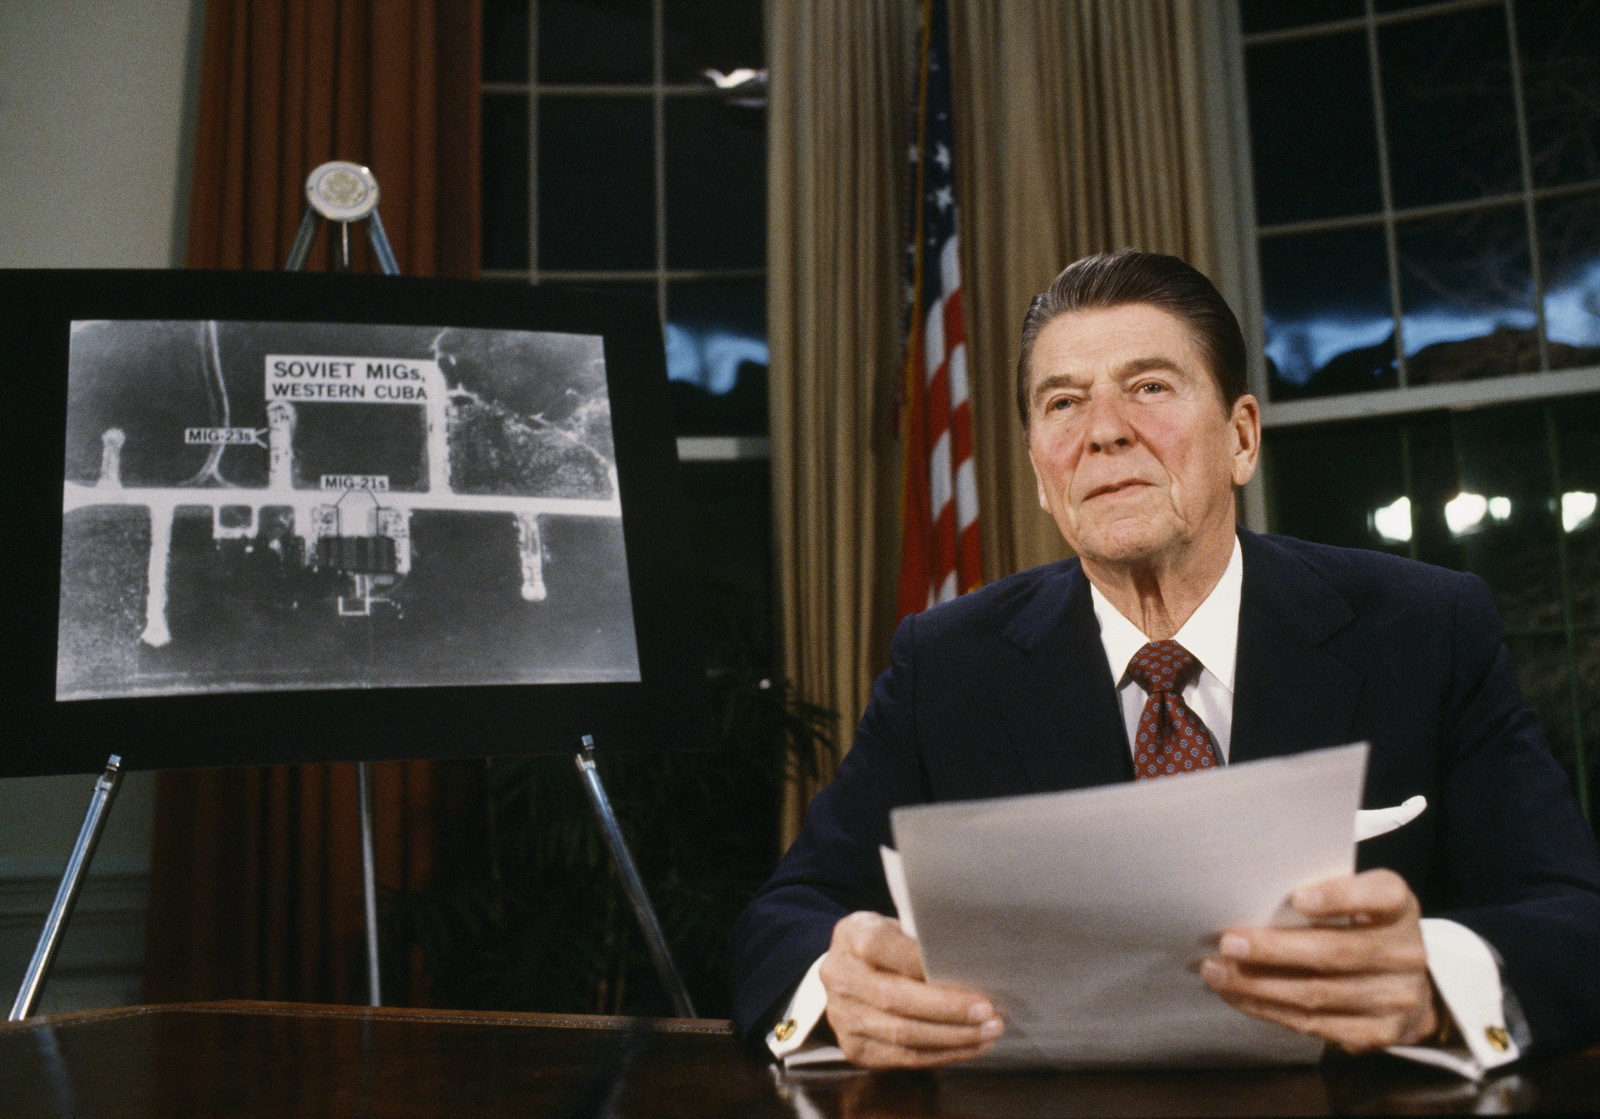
(1007, 691)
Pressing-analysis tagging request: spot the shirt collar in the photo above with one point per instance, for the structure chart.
(1211, 633)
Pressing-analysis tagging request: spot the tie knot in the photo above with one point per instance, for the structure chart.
(1163, 666)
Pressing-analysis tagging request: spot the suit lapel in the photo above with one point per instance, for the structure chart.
(1056, 694)
(1289, 694)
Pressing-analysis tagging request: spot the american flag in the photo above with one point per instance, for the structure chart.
(940, 555)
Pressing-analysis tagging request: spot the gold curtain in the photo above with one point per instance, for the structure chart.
(1079, 128)
(836, 128)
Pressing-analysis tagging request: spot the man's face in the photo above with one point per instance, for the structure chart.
(1135, 456)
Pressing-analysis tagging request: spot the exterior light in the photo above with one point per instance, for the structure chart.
(1577, 509)
(1393, 521)
(1500, 508)
(1465, 512)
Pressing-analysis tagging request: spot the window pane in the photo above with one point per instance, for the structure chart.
(1451, 117)
(723, 35)
(1569, 249)
(717, 356)
(1467, 297)
(1328, 322)
(505, 40)
(1577, 425)
(716, 184)
(1332, 482)
(505, 180)
(728, 506)
(595, 41)
(1311, 129)
(642, 292)
(1495, 502)
(596, 187)
(1560, 45)
(1271, 15)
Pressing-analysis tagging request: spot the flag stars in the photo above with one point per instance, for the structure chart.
(944, 197)
(941, 154)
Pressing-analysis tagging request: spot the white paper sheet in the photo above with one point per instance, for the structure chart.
(1084, 915)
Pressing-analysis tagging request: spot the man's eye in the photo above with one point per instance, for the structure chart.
(1150, 388)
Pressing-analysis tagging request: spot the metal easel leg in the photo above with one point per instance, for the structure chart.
(302, 241)
(94, 823)
(297, 259)
(632, 884)
(380, 245)
(369, 882)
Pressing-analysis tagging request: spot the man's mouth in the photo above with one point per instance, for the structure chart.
(1113, 488)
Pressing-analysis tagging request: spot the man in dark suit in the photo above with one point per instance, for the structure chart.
(1175, 641)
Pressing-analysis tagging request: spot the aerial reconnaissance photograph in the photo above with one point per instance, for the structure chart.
(255, 505)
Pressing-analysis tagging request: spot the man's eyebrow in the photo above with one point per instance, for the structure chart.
(1053, 381)
(1146, 364)
(1132, 369)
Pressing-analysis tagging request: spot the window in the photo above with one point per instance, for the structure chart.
(1426, 235)
(1427, 184)
(624, 151)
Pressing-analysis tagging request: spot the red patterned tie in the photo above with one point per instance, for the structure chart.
(1171, 738)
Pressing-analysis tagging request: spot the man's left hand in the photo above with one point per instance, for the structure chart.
(1361, 986)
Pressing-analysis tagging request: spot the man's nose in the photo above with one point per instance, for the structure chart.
(1108, 426)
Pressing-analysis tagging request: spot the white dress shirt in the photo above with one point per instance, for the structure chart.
(1461, 963)
(1211, 634)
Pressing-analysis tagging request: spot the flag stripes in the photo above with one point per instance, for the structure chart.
(940, 557)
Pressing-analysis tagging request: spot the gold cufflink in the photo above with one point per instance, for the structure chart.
(1498, 1038)
(784, 1030)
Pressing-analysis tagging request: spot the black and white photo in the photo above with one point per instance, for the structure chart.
(254, 506)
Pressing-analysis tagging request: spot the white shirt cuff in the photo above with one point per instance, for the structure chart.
(788, 1039)
(1467, 978)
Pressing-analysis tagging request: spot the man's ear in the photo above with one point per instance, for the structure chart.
(1245, 422)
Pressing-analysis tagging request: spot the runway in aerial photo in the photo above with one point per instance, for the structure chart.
(255, 505)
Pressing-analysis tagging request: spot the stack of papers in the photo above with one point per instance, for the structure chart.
(1084, 915)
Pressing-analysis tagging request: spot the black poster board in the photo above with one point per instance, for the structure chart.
(267, 517)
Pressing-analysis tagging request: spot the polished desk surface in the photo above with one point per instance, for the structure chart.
(258, 1059)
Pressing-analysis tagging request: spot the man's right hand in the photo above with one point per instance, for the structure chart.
(884, 1012)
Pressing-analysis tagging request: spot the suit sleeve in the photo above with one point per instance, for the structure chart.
(833, 868)
(1523, 861)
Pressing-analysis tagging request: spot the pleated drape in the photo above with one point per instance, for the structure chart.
(290, 84)
(837, 143)
(256, 871)
(1079, 128)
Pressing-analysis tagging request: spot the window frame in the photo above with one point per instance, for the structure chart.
(1228, 129)
(658, 90)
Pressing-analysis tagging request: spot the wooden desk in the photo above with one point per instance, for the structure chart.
(260, 1059)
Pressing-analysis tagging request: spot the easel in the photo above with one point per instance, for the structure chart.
(346, 193)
